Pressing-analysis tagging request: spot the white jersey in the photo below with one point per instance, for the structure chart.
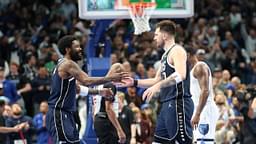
(195, 89)
(209, 116)
(97, 103)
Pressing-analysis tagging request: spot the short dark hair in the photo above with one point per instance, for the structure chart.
(65, 42)
(167, 26)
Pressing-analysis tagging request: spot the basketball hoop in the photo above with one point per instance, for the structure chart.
(140, 13)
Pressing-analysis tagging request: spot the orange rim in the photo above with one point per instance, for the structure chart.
(135, 7)
(142, 4)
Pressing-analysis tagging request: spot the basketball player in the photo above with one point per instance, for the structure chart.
(62, 103)
(206, 112)
(171, 84)
(107, 127)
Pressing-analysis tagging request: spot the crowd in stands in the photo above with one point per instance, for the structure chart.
(222, 31)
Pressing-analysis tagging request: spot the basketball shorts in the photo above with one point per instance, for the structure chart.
(62, 127)
(174, 122)
(205, 132)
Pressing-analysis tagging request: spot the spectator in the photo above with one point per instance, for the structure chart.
(3, 129)
(69, 9)
(143, 129)
(232, 87)
(43, 136)
(126, 119)
(224, 130)
(21, 82)
(224, 80)
(41, 87)
(217, 75)
(151, 72)
(229, 40)
(132, 98)
(52, 63)
(7, 111)
(224, 109)
(150, 114)
(215, 56)
(29, 71)
(8, 88)
(249, 125)
(128, 68)
(25, 123)
(249, 39)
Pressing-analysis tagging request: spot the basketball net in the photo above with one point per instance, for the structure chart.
(140, 14)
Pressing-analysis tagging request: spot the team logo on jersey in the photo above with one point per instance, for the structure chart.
(203, 128)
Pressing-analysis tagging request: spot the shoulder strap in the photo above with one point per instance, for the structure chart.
(170, 49)
(58, 64)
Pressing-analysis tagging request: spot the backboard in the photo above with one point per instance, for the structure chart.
(118, 9)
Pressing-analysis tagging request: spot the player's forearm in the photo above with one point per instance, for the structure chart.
(90, 81)
(147, 82)
(173, 79)
(113, 119)
(202, 101)
(167, 82)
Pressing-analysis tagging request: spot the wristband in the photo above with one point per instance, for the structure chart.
(83, 90)
(177, 77)
(98, 90)
(135, 82)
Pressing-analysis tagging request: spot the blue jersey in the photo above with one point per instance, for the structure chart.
(174, 91)
(63, 92)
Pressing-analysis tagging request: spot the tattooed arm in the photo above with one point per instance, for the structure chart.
(69, 68)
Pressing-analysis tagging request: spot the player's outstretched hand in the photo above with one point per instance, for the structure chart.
(107, 93)
(125, 82)
(117, 77)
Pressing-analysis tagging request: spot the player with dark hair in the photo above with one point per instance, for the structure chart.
(206, 112)
(62, 102)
